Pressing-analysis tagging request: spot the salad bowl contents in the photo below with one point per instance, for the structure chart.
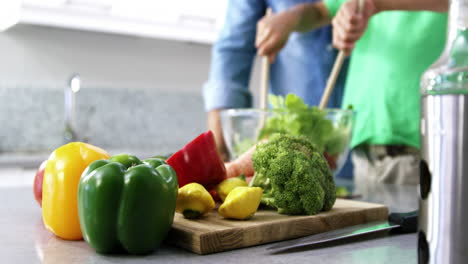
(329, 129)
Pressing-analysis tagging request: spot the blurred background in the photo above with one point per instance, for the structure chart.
(138, 68)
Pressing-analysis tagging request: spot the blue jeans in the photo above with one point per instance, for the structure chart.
(347, 170)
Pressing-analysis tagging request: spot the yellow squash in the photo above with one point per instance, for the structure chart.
(228, 185)
(60, 187)
(194, 201)
(241, 203)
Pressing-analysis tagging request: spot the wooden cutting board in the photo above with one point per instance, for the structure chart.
(213, 233)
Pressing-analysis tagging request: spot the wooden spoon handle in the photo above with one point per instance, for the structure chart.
(265, 75)
(336, 70)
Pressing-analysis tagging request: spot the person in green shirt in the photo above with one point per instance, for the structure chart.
(390, 51)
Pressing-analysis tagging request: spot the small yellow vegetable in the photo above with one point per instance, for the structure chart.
(194, 200)
(228, 185)
(241, 203)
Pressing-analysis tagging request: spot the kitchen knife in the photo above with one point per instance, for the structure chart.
(400, 222)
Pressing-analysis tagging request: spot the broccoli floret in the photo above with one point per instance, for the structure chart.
(294, 175)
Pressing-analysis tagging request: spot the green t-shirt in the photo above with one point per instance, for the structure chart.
(385, 71)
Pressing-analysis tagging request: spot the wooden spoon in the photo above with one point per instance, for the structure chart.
(336, 70)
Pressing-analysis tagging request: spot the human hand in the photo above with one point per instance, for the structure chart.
(273, 31)
(350, 23)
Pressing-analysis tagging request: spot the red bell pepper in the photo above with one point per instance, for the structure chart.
(38, 179)
(214, 194)
(199, 161)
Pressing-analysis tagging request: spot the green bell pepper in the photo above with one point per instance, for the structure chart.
(125, 203)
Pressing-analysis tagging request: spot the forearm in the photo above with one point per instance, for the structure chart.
(311, 16)
(214, 124)
(412, 5)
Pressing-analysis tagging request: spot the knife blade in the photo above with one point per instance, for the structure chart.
(400, 222)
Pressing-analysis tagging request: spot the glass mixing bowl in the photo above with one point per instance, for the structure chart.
(331, 130)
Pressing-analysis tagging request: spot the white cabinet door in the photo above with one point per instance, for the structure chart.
(193, 20)
(44, 2)
(156, 11)
(186, 20)
(10, 12)
(202, 13)
(82, 5)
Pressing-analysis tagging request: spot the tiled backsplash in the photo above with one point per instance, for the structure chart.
(151, 120)
(163, 113)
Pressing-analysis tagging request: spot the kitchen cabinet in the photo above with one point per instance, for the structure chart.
(184, 20)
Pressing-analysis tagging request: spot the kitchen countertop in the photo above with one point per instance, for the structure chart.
(25, 240)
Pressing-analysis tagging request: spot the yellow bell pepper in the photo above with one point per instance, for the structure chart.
(194, 201)
(241, 203)
(60, 187)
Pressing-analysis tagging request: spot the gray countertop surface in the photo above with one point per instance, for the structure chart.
(24, 239)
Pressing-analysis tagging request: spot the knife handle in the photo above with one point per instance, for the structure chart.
(408, 222)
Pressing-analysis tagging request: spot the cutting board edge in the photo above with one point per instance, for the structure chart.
(183, 239)
(376, 213)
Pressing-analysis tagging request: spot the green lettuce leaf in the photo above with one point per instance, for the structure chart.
(292, 116)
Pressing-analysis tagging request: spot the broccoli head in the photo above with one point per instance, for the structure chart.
(294, 175)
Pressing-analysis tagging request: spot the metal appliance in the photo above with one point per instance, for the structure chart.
(443, 232)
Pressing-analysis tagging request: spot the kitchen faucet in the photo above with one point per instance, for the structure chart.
(71, 89)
